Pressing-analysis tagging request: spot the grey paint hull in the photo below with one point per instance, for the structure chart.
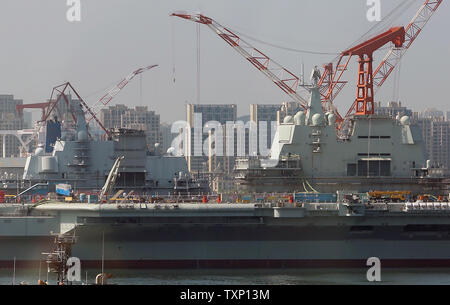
(240, 246)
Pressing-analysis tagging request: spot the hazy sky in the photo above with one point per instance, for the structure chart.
(41, 49)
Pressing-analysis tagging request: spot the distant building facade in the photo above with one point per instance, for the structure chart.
(167, 136)
(288, 108)
(209, 112)
(10, 120)
(436, 137)
(265, 113)
(431, 113)
(111, 117)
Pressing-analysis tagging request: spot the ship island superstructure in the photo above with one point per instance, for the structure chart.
(374, 153)
(84, 163)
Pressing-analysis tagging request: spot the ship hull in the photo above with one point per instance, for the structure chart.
(259, 246)
(199, 236)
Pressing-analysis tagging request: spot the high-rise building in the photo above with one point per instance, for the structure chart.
(27, 119)
(431, 113)
(10, 120)
(211, 112)
(140, 118)
(167, 136)
(268, 114)
(436, 137)
(111, 117)
(447, 115)
(196, 159)
(288, 108)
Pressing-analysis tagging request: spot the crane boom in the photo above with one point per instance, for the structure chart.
(283, 78)
(413, 30)
(105, 99)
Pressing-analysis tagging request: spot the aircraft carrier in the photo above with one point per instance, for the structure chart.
(341, 228)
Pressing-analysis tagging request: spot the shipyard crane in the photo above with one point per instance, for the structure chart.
(364, 103)
(47, 109)
(42, 106)
(331, 83)
(60, 91)
(279, 75)
(412, 31)
(105, 99)
(111, 180)
(57, 93)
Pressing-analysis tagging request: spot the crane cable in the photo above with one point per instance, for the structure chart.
(396, 90)
(282, 47)
(198, 62)
(173, 52)
(385, 23)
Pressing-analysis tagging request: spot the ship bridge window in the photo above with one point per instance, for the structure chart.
(374, 137)
(374, 167)
(374, 154)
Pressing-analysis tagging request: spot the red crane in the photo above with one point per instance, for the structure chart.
(331, 83)
(60, 91)
(42, 106)
(412, 30)
(364, 103)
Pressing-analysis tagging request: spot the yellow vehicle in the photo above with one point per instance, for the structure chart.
(393, 196)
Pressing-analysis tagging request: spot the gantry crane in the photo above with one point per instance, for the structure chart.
(42, 106)
(364, 104)
(331, 83)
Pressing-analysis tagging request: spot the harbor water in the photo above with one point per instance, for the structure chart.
(422, 276)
